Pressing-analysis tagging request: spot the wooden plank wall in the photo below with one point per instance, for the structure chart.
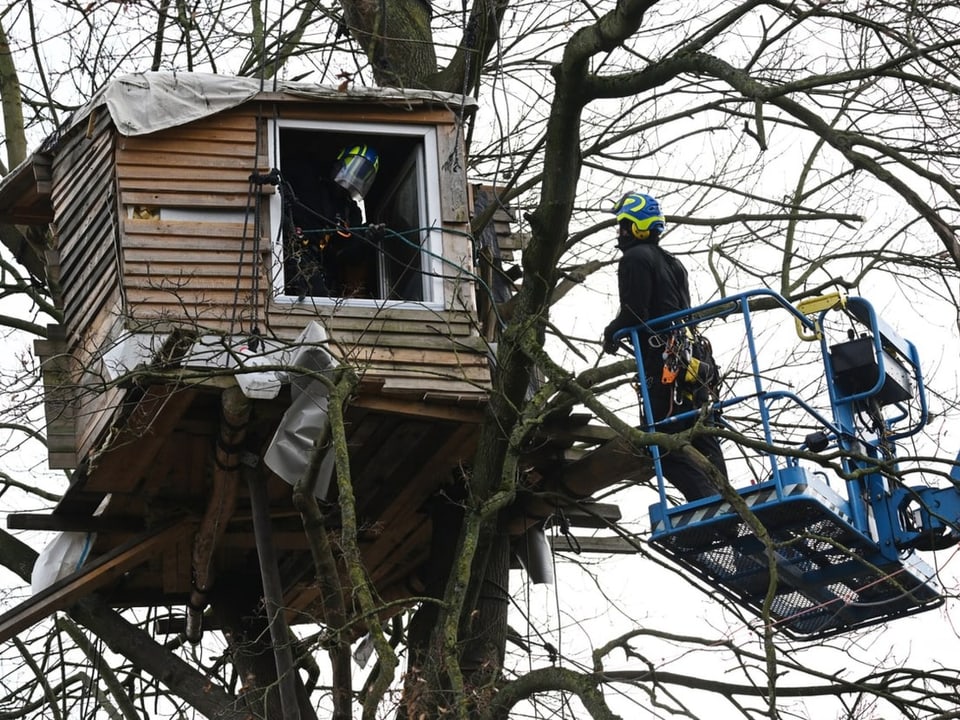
(200, 272)
(187, 271)
(59, 398)
(83, 267)
(84, 256)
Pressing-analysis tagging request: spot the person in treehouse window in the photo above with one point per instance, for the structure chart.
(332, 254)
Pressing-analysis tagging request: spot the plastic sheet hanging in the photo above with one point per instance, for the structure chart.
(307, 419)
(63, 556)
(535, 555)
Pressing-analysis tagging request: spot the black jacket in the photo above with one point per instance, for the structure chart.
(652, 283)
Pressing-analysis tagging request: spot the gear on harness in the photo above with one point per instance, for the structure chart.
(302, 253)
(689, 365)
(676, 355)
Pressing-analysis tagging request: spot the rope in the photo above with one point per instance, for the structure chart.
(287, 197)
(255, 185)
(556, 653)
(254, 201)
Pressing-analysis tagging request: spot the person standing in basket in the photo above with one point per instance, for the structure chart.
(652, 283)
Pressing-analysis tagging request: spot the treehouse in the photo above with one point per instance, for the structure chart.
(181, 209)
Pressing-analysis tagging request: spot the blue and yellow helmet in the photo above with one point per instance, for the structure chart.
(356, 169)
(643, 212)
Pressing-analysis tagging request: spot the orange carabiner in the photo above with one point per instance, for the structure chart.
(669, 374)
(671, 364)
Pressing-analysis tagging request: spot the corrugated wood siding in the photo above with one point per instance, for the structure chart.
(85, 226)
(205, 164)
(200, 272)
(99, 400)
(83, 266)
(410, 349)
(59, 397)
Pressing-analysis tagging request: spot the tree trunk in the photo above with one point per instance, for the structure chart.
(245, 629)
(484, 627)
(396, 37)
(446, 521)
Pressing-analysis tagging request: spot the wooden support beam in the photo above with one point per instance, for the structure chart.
(74, 523)
(234, 416)
(611, 464)
(25, 195)
(96, 574)
(414, 407)
(532, 509)
(589, 514)
(603, 545)
(403, 518)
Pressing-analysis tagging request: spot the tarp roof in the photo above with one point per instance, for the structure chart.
(147, 102)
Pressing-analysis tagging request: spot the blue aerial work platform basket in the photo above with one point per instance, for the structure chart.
(838, 549)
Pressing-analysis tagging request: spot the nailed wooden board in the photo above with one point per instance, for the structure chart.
(98, 573)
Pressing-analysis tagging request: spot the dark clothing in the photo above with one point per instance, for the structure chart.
(329, 254)
(334, 207)
(653, 283)
(679, 469)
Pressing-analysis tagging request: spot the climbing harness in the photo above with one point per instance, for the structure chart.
(689, 366)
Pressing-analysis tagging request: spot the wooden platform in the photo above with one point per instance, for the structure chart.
(149, 494)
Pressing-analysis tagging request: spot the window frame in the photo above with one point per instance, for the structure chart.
(428, 176)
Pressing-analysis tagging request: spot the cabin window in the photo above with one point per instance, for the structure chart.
(334, 245)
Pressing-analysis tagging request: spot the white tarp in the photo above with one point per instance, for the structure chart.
(261, 372)
(148, 102)
(63, 556)
(307, 419)
(144, 103)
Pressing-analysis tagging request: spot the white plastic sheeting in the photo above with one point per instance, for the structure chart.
(62, 556)
(261, 374)
(298, 364)
(147, 102)
(307, 419)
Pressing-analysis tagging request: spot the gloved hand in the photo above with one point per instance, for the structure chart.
(610, 346)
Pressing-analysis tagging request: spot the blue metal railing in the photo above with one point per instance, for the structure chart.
(843, 431)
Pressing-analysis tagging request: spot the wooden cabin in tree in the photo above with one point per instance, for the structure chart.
(198, 281)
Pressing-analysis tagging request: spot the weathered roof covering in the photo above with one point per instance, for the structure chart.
(147, 102)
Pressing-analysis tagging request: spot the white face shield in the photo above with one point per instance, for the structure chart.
(356, 175)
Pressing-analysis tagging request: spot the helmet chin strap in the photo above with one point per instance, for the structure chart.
(628, 238)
